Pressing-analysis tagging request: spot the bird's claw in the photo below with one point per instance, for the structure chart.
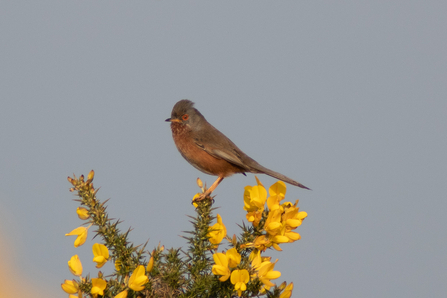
(202, 197)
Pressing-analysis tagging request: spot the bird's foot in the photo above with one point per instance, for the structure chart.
(206, 192)
(203, 196)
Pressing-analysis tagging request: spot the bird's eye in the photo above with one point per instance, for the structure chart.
(185, 117)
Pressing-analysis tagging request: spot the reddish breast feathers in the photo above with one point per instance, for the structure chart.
(199, 158)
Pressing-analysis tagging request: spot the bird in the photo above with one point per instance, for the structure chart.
(209, 150)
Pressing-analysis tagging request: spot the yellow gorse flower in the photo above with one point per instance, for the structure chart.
(218, 231)
(265, 273)
(100, 254)
(261, 243)
(239, 278)
(281, 220)
(287, 293)
(98, 286)
(221, 266)
(255, 258)
(234, 258)
(70, 287)
(81, 232)
(278, 189)
(138, 279)
(196, 196)
(82, 213)
(292, 236)
(254, 198)
(225, 261)
(75, 265)
(150, 264)
(122, 294)
(277, 193)
(254, 201)
(273, 223)
(292, 217)
(254, 217)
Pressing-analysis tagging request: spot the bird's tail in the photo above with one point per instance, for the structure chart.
(260, 169)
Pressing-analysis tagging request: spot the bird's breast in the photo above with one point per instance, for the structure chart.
(198, 157)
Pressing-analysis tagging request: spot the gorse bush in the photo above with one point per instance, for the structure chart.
(199, 271)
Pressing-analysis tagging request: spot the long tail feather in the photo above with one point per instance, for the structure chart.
(260, 169)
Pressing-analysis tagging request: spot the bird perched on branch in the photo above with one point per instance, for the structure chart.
(209, 150)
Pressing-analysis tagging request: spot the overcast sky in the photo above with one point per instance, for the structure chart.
(347, 97)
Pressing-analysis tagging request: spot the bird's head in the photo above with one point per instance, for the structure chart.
(184, 113)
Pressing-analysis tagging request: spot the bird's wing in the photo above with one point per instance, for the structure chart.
(231, 157)
(219, 146)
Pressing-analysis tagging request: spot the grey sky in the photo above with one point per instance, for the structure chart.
(347, 97)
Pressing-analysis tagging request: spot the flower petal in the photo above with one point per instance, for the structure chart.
(75, 265)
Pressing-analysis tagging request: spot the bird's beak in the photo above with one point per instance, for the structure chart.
(173, 120)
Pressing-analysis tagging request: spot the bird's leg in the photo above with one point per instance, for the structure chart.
(209, 190)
